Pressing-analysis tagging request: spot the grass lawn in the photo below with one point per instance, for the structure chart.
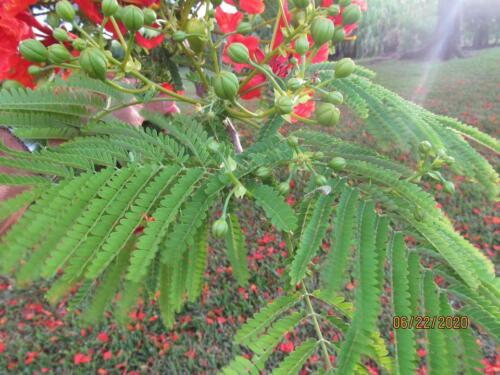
(38, 338)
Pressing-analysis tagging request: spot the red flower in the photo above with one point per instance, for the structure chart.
(107, 355)
(287, 347)
(103, 337)
(81, 358)
(149, 43)
(253, 88)
(253, 45)
(250, 6)
(30, 357)
(304, 109)
(2, 347)
(228, 22)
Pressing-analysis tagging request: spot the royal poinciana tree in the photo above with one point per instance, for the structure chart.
(129, 177)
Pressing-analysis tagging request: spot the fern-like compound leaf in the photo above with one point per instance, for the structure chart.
(236, 249)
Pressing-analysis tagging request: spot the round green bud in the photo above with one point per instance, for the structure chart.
(292, 141)
(244, 28)
(344, 68)
(226, 85)
(58, 54)
(351, 14)
(327, 114)
(60, 35)
(449, 187)
(213, 145)
(10, 84)
(79, 44)
(337, 164)
(263, 172)
(149, 16)
(238, 52)
(441, 154)
(344, 3)
(109, 7)
(35, 70)
(302, 45)
(53, 20)
(338, 35)
(179, 36)
(449, 159)
(294, 84)
(318, 155)
(219, 228)
(294, 61)
(197, 28)
(320, 180)
(302, 4)
(132, 17)
(333, 10)
(93, 62)
(333, 97)
(65, 10)
(424, 147)
(284, 105)
(322, 30)
(284, 187)
(33, 50)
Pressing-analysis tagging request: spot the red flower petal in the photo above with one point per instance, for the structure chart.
(228, 22)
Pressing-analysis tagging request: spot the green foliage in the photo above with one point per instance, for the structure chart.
(236, 249)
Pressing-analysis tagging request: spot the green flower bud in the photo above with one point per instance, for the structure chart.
(318, 155)
(213, 145)
(10, 84)
(337, 164)
(93, 62)
(79, 44)
(226, 85)
(58, 54)
(344, 68)
(284, 187)
(320, 180)
(333, 97)
(449, 187)
(338, 35)
(219, 228)
(441, 154)
(284, 105)
(351, 14)
(294, 84)
(327, 114)
(263, 172)
(449, 159)
(179, 36)
(33, 50)
(238, 52)
(424, 147)
(109, 7)
(149, 16)
(53, 20)
(344, 3)
(302, 4)
(196, 27)
(333, 10)
(302, 45)
(292, 141)
(35, 70)
(244, 28)
(322, 30)
(132, 17)
(60, 35)
(65, 10)
(294, 61)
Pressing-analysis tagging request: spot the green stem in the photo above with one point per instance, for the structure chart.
(118, 32)
(127, 90)
(128, 52)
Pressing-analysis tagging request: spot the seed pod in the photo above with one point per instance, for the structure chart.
(284, 187)
(33, 50)
(109, 7)
(197, 27)
(60, 35)
(238, 52)
(179, 36)
(344, 68)
(244, 28)
(322, 30)
(58, 54)
(424, 147)
(65, 10)
(333, 97)
(219, 228)
(93, 62)
(302, 45)
(79, 44)
(302, 4)
(320, 180)
(226, 85)
(351, 14)
(327, 114)
(263, 172)
(132, 17)
(149, 16)
(449, 187)
(35, 70)
(333, 10)
(337, 164)
(284, 105)
(294, 84)
(338, 35)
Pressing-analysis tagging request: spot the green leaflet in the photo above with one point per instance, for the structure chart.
(332, 274)
(236, 249)
(405, 345)
(21, 200)
(197, 262)
(451, 336)
(311, 238)
(280, 214)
